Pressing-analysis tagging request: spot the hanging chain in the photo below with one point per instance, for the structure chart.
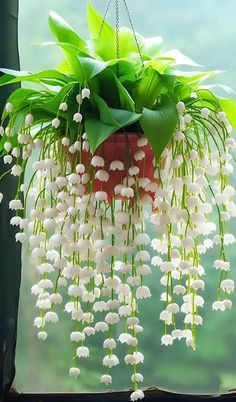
(134, 33)
(117, 10)
(104, 18)
(117, 29)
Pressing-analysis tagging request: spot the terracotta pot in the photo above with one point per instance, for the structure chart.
(123, 147)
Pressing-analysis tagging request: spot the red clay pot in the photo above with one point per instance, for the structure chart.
(122, 147)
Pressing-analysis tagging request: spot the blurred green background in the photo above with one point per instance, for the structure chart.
(206, 31)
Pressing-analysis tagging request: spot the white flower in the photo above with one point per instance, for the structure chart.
(139, 156)
(101, 327)
(222, 116)
(85, 93)
(167, 340)
(109, 344)
(110, 361)
(55, 298)
(190, 342)
(101, 196)
(7, 159)
(223, 265)
(173, 308)
(218, 305)
(228, 304)
(133, 170)
(77, 117)
(136, 395)
(1, 131)
(142, 142)
(125, 311)
(74, 372)
(102, 176)
(97, 161)
(142, 239)
(38, 322)
(89, 331)
(63, 106)
(117, 165)
(167, 266)
(79, 99)
(180, 107)
(8, 146)
(112, 318)
(143, 292)
(65, 141)
(15, 205)
(29, 119)
(100, 306)
(9, 107)
(188, 118)
(205, 113)
(77, 336)
(45, 268)
(106, 379)
(42, 335)
(56, 122)
(51, 316)
(82, 352)
(227, 285)
(198, 284)
(137, 377)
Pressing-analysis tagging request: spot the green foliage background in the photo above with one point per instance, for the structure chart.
(205, 31)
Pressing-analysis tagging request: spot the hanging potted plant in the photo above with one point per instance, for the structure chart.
(121, 137)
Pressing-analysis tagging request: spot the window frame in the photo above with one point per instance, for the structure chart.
(10, 58)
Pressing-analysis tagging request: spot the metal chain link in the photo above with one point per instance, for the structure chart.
(134, 33)
(117, 10)
(104, 18)
(117, 29)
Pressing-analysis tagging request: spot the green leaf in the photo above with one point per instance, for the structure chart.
(181, 59)
(64, 33)
(110, 120)
(126, 101)
(105, 45)
(127, 43)
(152, 47)
(51, 77)
(98, 132)
(115, 117)
(151, 86)
(159, 125)
(92, 67)
(53, 104)
(229, 107)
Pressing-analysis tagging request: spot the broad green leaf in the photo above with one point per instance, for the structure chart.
(126, 101)
(64, 33)
(98, 132)
(160, 64)
(92, 67)
(53, 104)
(104, 41)
(72, 56)
(194, 78)
(115, 117)
(51, 77)
(152, 47)
(127, 43)
(159, 125)
(180, 58)
(229, 107)
(151, 86)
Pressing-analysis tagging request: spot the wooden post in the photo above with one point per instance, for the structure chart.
(10, 254)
